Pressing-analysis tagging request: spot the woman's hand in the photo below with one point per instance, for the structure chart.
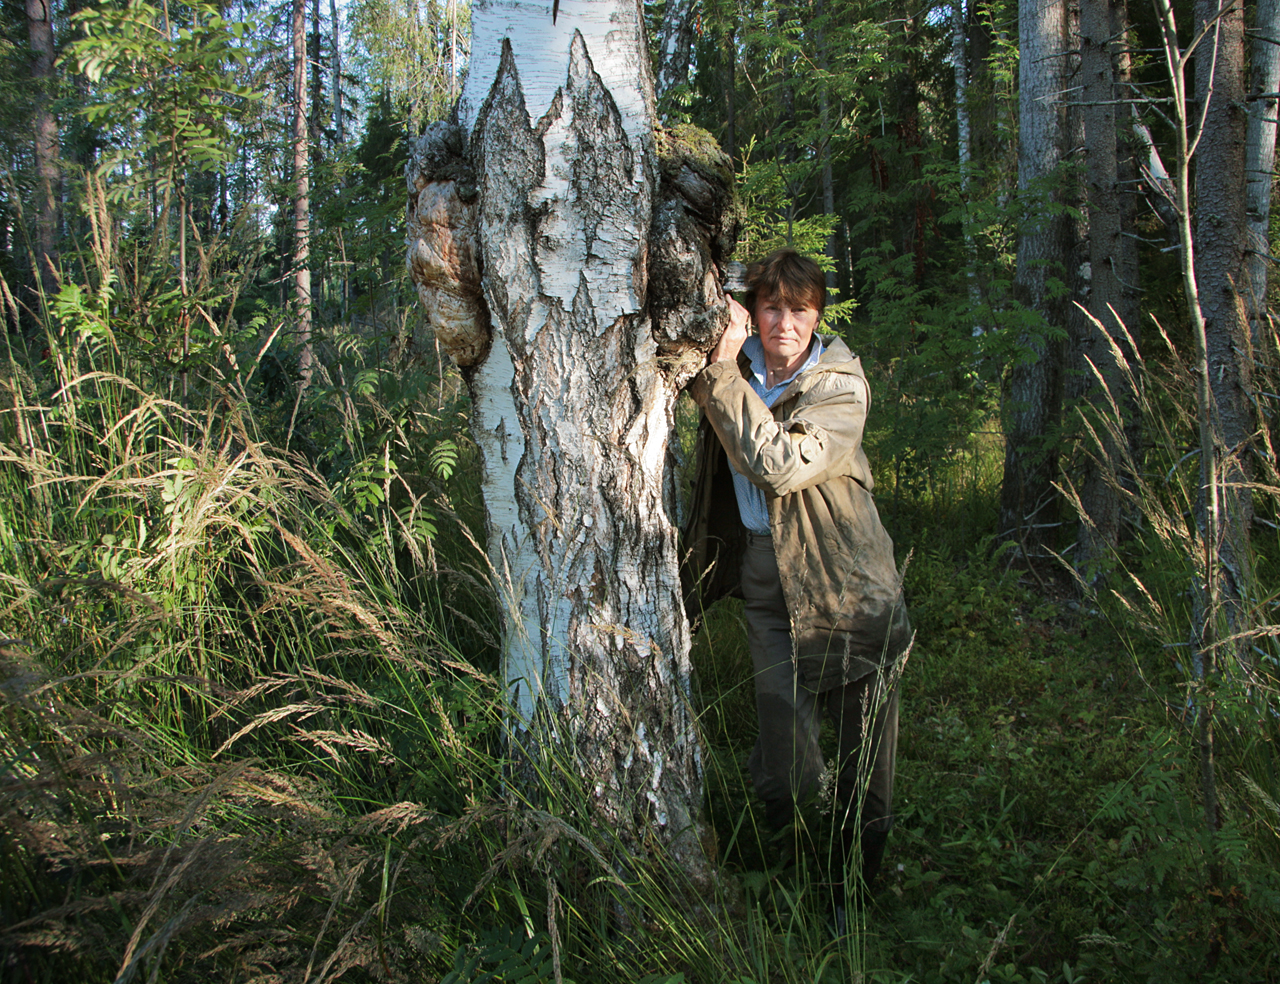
(734, 335)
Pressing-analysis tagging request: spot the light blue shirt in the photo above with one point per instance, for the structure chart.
(751, 503)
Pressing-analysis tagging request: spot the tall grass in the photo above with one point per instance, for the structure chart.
(251, 727)
(216, 692)
(1156, 598)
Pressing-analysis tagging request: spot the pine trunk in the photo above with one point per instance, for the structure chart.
(45, 140)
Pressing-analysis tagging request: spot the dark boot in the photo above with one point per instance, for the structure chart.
(873, 845)
(779, 818)
(867, 851)
(778, 814)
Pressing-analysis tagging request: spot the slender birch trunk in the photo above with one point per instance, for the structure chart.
(730, 93)
(339, 125)
(675, 46)
(960, 72)
(1260, 158)
(566, 281)
(301, 195)
(827, 174)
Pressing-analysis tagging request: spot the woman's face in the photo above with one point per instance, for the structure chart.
(785, 329)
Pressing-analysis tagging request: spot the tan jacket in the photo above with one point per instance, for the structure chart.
(847, 613)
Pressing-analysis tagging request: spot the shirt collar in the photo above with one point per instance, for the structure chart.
(754, 350)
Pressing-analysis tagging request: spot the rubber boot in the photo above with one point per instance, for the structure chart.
(844, 892)
(873, 845)
(779, 818)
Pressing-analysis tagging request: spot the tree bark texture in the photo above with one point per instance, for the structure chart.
(1105, 349)
(45, 142)
(573, 273)
(1028, 500)
(1260, 157)
(301, 193)
(1221, 246)
(675, 46)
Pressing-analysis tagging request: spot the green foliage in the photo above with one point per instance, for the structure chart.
(174, 82)
(417, 58)
(251, 726)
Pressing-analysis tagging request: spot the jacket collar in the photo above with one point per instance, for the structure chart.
(836, 357)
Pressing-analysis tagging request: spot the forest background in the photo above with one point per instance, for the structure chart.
(253, 713)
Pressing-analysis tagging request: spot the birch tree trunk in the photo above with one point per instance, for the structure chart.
(730, 45)
(1260, 157)
(1028, 500)
(827, 174)
(675, 46)
(960, 72)
(579, 294)
(301, 194)
(339, 130)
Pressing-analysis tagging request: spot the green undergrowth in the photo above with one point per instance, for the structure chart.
(1047, 800)
(252, 728)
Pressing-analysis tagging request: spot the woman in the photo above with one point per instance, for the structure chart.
(784, 413)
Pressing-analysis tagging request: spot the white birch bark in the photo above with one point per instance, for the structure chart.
(960, 70)
(301, 194)
(1260, 157)
(675, 45)
(573, 385)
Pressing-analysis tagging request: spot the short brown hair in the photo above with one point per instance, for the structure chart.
(788, 276)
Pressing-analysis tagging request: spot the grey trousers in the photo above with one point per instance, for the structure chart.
(786, 764)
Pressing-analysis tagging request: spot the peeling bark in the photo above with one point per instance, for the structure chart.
(592, 294)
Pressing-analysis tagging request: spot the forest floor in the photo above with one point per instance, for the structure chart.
(252, 730)
(1046, 802)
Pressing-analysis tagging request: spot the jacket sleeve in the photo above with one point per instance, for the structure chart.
(783, 456)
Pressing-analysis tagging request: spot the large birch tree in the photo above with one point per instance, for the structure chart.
(572, 273)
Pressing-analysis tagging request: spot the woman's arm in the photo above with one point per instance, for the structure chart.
(816, 442)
